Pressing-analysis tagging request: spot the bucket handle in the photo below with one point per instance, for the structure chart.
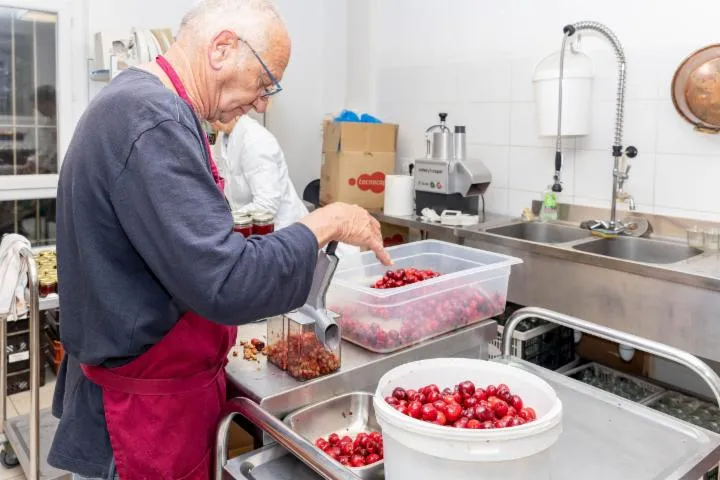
(650, 346)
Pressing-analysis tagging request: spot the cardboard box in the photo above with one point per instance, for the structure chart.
(606, 353)
(356, 158)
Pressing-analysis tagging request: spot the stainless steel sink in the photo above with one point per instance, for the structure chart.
(540, 232)
(639, 250)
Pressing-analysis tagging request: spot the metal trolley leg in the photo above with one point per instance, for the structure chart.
(661, 350)
(33, 472)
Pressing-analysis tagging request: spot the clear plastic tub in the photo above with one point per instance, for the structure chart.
(472, 287)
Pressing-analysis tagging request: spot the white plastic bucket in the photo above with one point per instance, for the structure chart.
(419, 450)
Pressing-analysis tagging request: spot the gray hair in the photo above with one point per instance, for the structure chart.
(250, 19)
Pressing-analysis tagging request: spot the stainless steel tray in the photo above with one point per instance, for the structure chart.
(623, 385)
(347, 414)
(690, 409)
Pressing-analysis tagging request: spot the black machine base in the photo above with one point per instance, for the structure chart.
(442, 201)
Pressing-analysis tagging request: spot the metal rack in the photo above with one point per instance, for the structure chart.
(23, 433)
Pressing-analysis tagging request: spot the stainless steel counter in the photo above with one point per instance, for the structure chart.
(279, 394)
(676, 304)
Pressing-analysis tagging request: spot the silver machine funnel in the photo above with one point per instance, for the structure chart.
(326, 328)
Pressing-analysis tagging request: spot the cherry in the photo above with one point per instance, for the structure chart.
(429, 413)
(392, 401)
(488, 425)
(361, 440)
(449, 399)
(344, 460)
(415, 409)
(516, 402)
(480, 394)
(473, 424)
(500, 408)
(453, 412)
(404, 403)
(399, 393)
(372, 458)
(357, 461)
(512, 412)
(483, 413)
(371, 446)
(441, 418)
(347, 448)
(346, 439)
(461, 422)
(321, 444)
(402, 409)
(334, 439)
(334, 452)
(491, 391)
(470, 402)
(439, 405)
(375, 436)
(467, 388)
(527, 414)
(411, 395)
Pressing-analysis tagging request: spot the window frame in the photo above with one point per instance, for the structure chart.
(25, 187)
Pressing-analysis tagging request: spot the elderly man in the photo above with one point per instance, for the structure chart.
(152, 279)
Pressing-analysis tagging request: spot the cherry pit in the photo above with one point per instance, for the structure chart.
(402, 277)
(364, 449)
(464, 406)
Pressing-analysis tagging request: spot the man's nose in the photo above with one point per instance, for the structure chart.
(260, 105)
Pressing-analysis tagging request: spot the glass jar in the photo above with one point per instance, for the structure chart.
(263, 223)
(243, 224)
(48, 285)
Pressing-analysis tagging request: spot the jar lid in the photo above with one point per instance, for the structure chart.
(241, 219)
(262, 217)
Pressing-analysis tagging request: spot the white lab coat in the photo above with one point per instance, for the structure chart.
(257, 178)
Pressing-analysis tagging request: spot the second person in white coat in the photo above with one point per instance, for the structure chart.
(256, 174)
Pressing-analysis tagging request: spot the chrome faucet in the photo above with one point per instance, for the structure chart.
(620, 172)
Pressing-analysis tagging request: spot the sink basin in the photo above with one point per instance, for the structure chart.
(639, 250)
(540, 232)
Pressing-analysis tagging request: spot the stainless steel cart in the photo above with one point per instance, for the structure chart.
(604, 436)
(28, 437)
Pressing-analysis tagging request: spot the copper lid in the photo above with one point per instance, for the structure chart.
(696, 89)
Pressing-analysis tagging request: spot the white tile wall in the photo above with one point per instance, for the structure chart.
(476, 62)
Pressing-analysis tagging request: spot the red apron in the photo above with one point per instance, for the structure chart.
(162, 409)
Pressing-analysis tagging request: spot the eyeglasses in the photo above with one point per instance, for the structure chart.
(275, 87)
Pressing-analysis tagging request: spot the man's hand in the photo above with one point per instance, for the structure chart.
(347, 224)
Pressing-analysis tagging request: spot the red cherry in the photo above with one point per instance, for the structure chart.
(321, 444)
(470, 402)
(402, 409)
(334, 439)
(429, 413)
(404, 403)
(346, 439)
(449, 399)
(480, 394)
(432, 396)
(501, 409)
(453, 412)
(391, 401)
(411, 395)
(483, 413)
(516, 402)
(458, 397)
(399, 393)
(361, 440)
(334, 452)
(512, 412)
(415, 409)
(439, 405)
(461, 422)
(441, 419)
(372, 458)
(467, 388)
(371, 446)
(376, 436)
(488, 425)
(527, 414)
(357, 461)
(473, 424)
(491, 391)
(347, 448)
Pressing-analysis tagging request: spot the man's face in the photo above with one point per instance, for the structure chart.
(242, 80)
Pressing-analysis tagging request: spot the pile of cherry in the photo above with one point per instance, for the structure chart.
(465, 406)
(403, 276)
(365, 449)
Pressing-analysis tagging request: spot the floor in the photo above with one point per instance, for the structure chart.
(19, 404)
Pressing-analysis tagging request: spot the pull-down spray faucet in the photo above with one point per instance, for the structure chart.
(619, 174)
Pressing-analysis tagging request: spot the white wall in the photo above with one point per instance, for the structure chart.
(475, 60)
(313, 85)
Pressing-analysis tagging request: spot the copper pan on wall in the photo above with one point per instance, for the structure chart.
(696, 89)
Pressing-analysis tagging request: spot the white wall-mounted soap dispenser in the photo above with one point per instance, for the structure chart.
(577, 85)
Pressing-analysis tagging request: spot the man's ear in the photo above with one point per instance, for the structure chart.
(221, 48)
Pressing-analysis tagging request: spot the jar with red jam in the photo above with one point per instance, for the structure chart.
(263, 223)
(243, 224)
